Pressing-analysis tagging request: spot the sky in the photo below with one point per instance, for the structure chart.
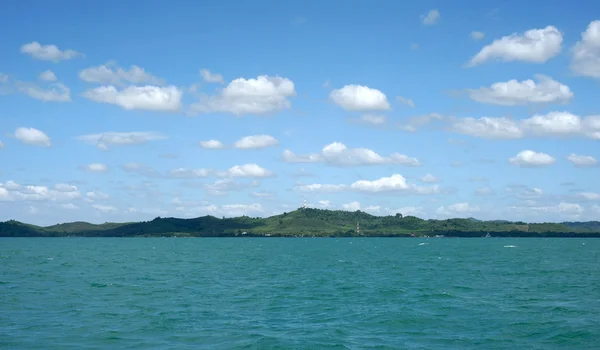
(117, 111)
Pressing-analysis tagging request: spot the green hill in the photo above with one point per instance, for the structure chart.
(306, 222)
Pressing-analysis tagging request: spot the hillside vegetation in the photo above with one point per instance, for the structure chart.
(306, 222)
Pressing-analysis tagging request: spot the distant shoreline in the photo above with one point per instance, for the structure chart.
(308, 222)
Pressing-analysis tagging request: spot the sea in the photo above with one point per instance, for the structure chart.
(299, 293)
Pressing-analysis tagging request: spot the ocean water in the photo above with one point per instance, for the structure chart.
(271, 293)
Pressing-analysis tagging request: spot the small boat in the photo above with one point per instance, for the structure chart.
(488, 235)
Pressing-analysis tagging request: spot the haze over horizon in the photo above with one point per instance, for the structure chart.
(119, 112)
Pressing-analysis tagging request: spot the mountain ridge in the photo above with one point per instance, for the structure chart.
(305, 222)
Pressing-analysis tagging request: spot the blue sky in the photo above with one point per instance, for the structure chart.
(119, 112)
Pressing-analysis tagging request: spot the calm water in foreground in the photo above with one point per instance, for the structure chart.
(167, 293)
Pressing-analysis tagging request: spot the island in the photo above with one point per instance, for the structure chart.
(306, 222)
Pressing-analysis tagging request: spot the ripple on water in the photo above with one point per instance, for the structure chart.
(303, 293)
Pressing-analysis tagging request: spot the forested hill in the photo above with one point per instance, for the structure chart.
(306, 223)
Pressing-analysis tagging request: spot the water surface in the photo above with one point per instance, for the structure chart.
(271, 293)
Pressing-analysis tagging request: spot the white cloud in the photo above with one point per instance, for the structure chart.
(405, 101)
(328, 188)
(261, 95)
(256, 142)
(475, 35)
(590, 196)
(581, 160)
(48, 52)
(96, 168)
(352, 206)
(534, 46)
(571, 210)
(69, 206)
(513, 92)
(262, 194)
(484, 191)
(337, 154)
(291, 157)
(222, 187)
(528, 158)
(247, 170)
(11, 191)
(373, 119)
(48, 76)
(228, 210)
(396, 182)
(359, 98)
(551, 124)
(429, 178)
(1, 145)
(104, 208)
(586, 52)
(211, 77)
(415, 122)
(107, 139)
(432, 17)
(149, 97)
(211, 144)
(34, 137)
(189, 173)
(487, 127)
(55, 92)
(96, 195)
(458, 209)
(3, 78)
(111, 74)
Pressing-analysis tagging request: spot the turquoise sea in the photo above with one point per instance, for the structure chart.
(323, 293)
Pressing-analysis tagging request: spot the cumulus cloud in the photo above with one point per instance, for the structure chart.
(429, 178)
(373, 119)
(34, 137)
(212, 144)
(581, 160)
(405, 101)
(48, 52)
(291, 157)
(475, 35)
(338, 154)
(458, 209)
(96, 168)
(432, 17)
(211, 77)
(55, 92)
(415, 122)
(552, 124)
(396, 182)
(359, 98)
(189, 173)
(352, 206)
(104, 208)
(261, 95)
(586, 52)
(247, 170)
(256, 142)
(106, 140)
(529, 158)
(148, 97)
(322, 188)
(566, 209)
(513, 92)
(112, 74)
(222, 187)
(227, 210)
(48, 75)
(12, 191)
(487, 127)
(533, 46)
